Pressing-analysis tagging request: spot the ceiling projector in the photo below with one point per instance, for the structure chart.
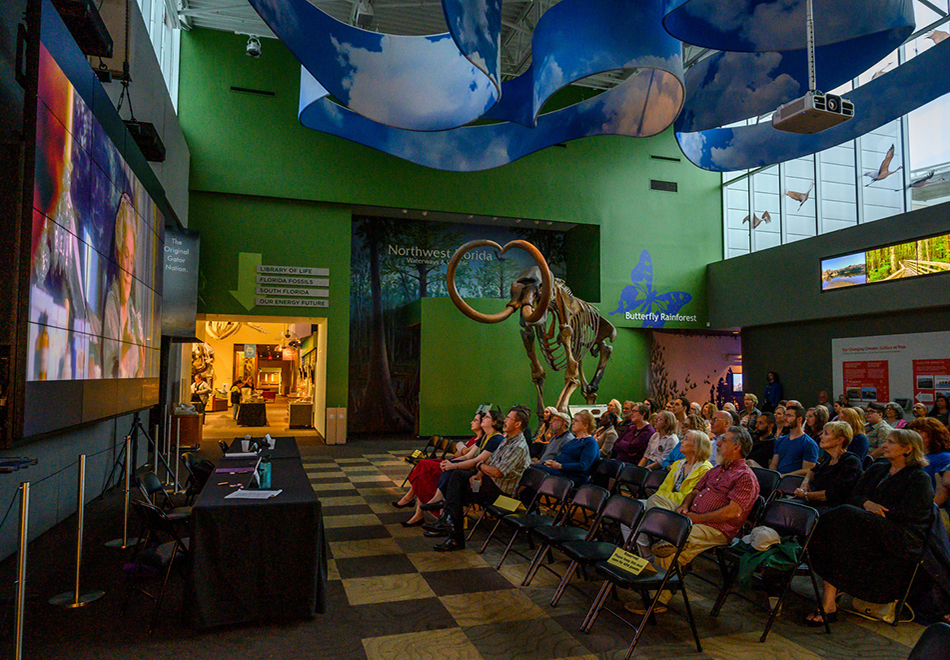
(813, 113)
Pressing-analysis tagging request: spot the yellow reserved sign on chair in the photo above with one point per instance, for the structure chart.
(508, 503)
(630, 562)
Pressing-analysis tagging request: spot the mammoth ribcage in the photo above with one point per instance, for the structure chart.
(585, 325)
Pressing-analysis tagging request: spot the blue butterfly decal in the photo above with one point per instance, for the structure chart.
(639, 301)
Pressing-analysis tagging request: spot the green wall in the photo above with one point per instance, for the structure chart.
(457, 376)
(249, 152)
(284, 233)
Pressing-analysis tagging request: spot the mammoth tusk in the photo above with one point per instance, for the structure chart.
(463, 306)
(541, 308)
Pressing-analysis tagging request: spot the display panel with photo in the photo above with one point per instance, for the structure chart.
(927, 256)
(95, 310)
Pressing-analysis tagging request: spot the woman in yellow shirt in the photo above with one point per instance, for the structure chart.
(685, 473)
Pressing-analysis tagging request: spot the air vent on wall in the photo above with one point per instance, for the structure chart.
(666, 186)
(254, 92)
(672, 159)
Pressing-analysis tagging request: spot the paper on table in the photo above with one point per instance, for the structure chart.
(236, 470)
(240, 454)
(253, 494)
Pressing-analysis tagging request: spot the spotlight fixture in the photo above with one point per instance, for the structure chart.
(253, 47)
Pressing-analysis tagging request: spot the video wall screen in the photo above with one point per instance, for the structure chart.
(95, 282)
(927, 256)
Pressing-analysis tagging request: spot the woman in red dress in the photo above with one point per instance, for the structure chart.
(426, 475)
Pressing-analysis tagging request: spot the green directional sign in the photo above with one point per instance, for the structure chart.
(248, 262)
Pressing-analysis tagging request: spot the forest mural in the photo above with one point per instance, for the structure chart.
(396, 262)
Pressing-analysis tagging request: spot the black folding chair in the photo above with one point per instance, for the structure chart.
(631, 481)
(605, 473)
(788, 519)
(159, 526)
(553, 493)
(654, 480)
(589, 501)
(768, 482)
(435, 445)
(786, 486)
(912, 574)
(527, 490)
(934, 643)
(620, 511)
(197, 476)
(155, 493)
(662, 525)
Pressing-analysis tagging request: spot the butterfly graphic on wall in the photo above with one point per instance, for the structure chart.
(641, 298)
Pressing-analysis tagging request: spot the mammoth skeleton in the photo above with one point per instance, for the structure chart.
(566, 328)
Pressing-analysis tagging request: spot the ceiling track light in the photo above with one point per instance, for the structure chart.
(253, 48)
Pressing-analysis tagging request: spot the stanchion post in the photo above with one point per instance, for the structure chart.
(21, 568)
(75, 598)
(125, 542)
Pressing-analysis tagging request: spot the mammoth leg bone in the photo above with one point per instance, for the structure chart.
(571, 381)
(601, 349)
(537, 371)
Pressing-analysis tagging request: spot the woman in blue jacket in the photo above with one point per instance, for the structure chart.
(577, 456)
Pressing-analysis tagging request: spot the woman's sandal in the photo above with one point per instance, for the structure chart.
(817, 619)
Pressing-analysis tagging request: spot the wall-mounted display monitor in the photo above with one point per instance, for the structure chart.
(926, 256)
(95, 281)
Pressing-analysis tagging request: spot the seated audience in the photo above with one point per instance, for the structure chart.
(919, 410)
(685, 473)
(780, 421)
(577, 455)
(795, 453)
(942, 498)
(859, 441)
(681, 408)
(941, 409)
(815, 420)
(662, 442)
(606, 434)
(613, 406)
(876, 429)
(428, 476)
(936, 439)
(825, 402)
(559, 423)
(750, 414)
(695, 409)
(894, 415)
(499, 475)
(634, 439)
(763, 444)
(835, 409)
(731, 407)
(868, 547)
(654, 406)
(718, 506)
(544, 435)
(832, 480)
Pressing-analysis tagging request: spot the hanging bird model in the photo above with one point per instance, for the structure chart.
(884, 170)
(800, 197)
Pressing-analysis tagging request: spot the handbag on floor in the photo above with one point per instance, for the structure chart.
(874, 611)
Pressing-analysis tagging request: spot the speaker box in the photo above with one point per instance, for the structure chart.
(85, 24)
(148, 140)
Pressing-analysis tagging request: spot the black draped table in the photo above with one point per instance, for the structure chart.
(257, 559)
(252, 414)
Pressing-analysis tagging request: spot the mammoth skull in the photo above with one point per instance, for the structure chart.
(531, 292)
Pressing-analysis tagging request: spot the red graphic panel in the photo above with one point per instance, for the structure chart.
(931, 377)
(867, 380)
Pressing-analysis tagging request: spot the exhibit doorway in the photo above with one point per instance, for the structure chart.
(281, 365)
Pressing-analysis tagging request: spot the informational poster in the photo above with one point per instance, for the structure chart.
(931, 377)
(902, 368)
(867, 380)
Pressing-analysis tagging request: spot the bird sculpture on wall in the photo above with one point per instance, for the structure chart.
(566, 328)
(937, 36)
(883, 171)
(800, 197)
(756, 220)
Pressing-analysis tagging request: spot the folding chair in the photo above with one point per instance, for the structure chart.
(662, 525)
(654, 480)
(525, 492)
(554, 492)
(768, 482)
(436, 444)
(605, 472)
(620, 511)
(788, 519)
(195, 481)
(158, 525)
(786, 486)
(934, 520)
(631, 481)
(154, 492)
(590, 500)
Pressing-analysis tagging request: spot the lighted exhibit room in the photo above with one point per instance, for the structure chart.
(539, 329)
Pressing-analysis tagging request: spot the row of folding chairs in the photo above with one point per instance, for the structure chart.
(552, 516)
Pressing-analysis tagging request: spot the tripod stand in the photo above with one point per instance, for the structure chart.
(134, 435)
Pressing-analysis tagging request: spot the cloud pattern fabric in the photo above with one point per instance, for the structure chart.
(439, 100)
